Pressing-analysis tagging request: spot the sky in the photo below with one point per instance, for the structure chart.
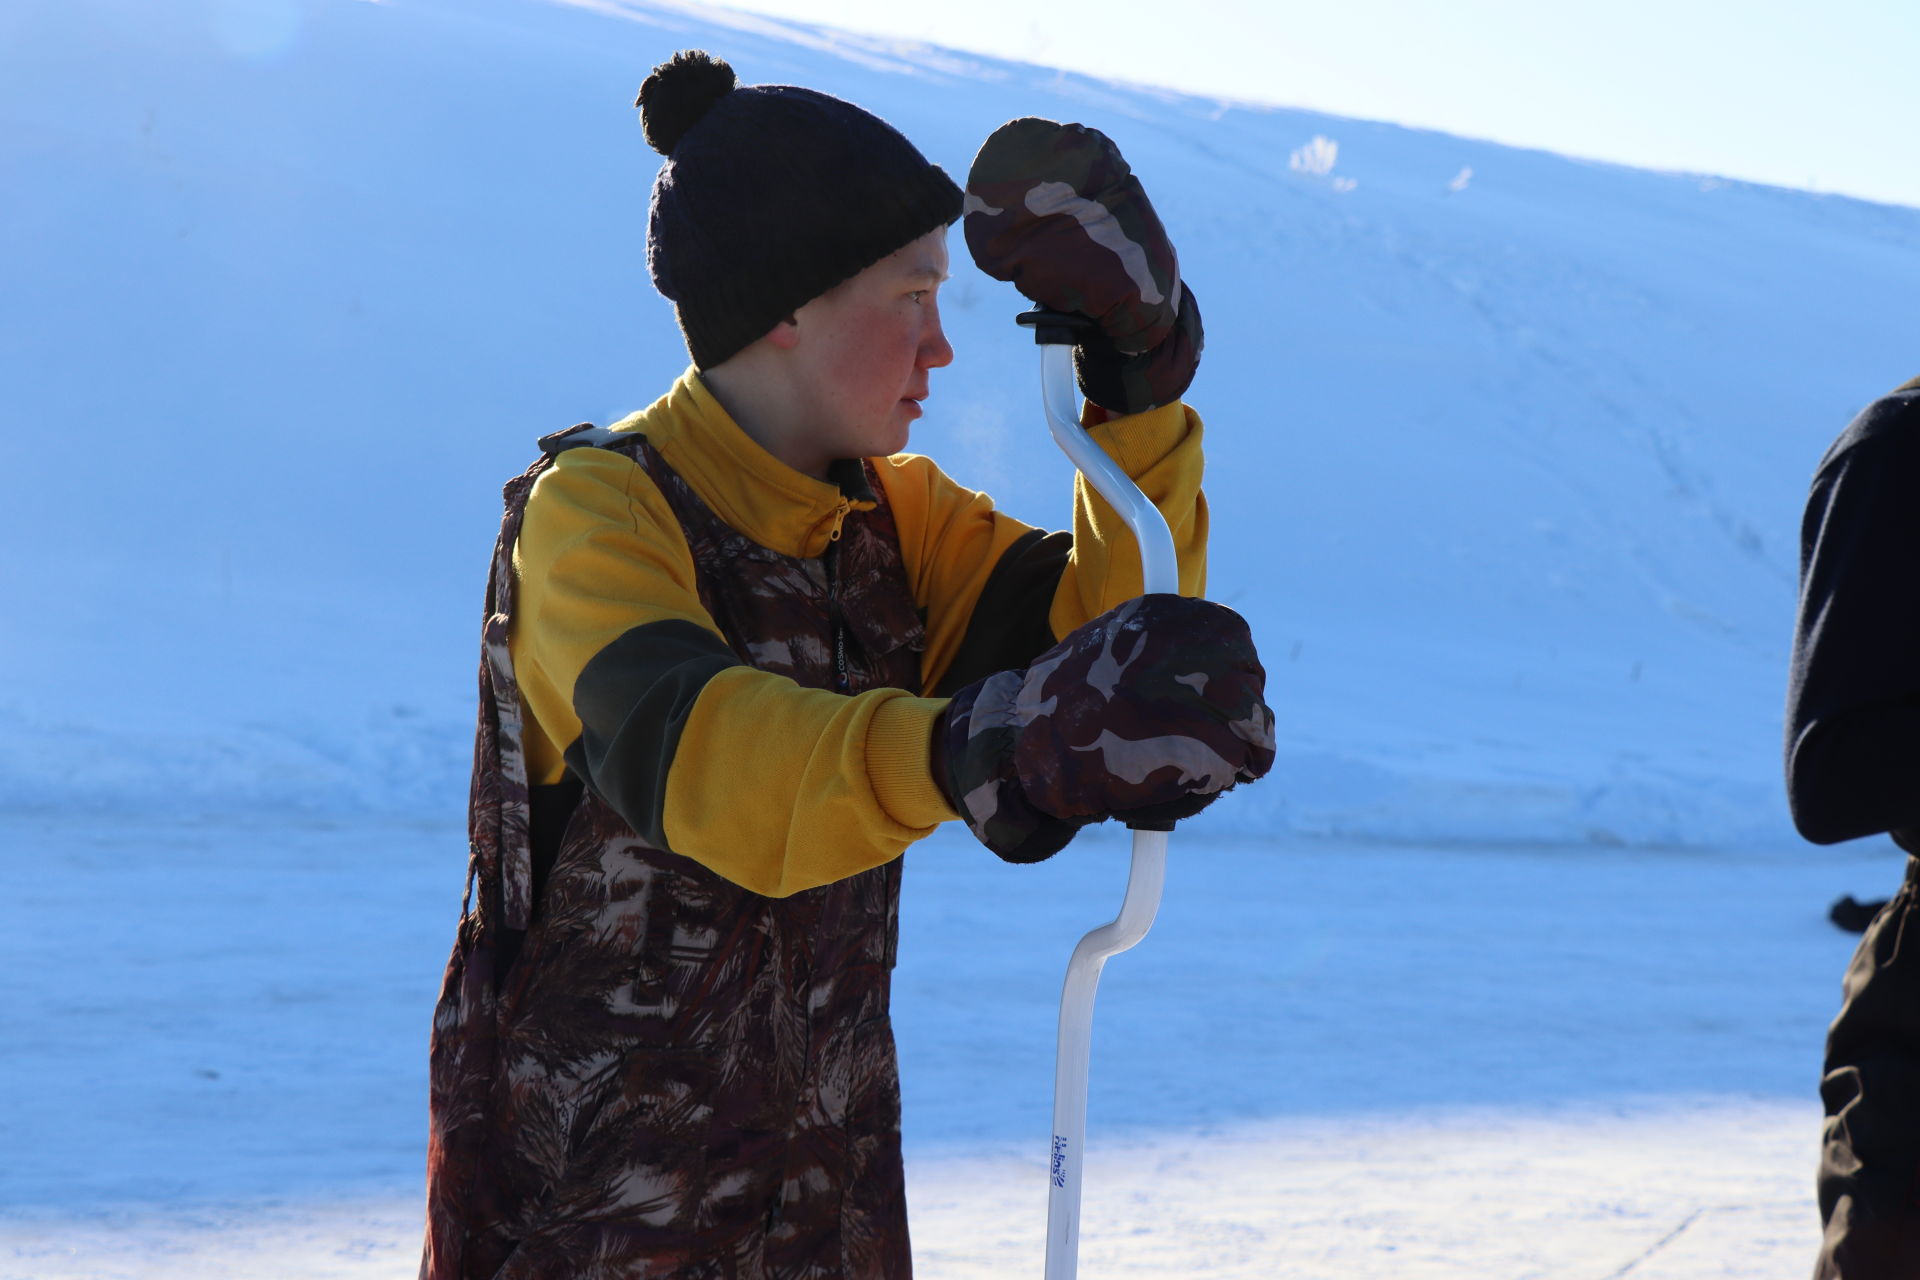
(1814, 96)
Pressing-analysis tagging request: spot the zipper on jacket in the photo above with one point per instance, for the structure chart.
(837, 625)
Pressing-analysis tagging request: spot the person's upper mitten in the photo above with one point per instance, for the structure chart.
(1055, 210)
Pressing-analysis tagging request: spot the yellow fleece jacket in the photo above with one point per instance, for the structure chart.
(777, 787)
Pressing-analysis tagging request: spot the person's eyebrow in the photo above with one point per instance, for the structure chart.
(929, 273)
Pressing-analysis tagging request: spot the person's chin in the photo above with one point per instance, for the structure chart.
(894, 438)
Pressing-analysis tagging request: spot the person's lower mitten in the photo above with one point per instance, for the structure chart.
(1148, 712)
(1055, 210)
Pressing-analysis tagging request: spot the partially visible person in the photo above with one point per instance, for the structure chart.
(1853, 769)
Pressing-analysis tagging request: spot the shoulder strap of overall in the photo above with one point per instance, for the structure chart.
(499, 810)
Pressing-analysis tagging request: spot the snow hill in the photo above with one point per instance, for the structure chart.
(1507, 450)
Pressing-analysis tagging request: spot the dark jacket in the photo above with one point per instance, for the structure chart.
(1853, 699)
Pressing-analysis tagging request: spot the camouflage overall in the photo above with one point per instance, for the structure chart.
(640, 1069)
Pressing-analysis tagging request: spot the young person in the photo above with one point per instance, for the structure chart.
(741, 651)
(1853, 769)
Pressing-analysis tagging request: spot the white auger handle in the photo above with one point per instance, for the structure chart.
(1160, 572)
(1054, 331)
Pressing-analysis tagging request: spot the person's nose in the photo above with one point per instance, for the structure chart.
(935, 351)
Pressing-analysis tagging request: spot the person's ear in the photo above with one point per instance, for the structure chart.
(786, 334)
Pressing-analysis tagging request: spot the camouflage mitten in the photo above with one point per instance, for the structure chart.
(1146, 713)
(1054, 209)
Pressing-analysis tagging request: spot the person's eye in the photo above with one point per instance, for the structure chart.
(920, 295)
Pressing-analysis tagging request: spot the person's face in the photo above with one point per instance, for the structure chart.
(865, 349)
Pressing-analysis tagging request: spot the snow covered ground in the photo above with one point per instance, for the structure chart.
(1512, 969)
(1328, 1059)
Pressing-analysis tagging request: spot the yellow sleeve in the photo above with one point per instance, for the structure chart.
(1160, 450)
(951, 541)
(997, 591)
(629, 683)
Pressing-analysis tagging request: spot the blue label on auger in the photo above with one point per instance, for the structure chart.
(1059, 1161)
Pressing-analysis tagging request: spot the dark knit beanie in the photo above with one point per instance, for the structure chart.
(770, 196)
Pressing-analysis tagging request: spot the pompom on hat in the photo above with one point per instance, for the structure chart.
(770, 195)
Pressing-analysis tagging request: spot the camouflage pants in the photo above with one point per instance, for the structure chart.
(763, 1181)
(1870, 1161)
(692, 1081)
